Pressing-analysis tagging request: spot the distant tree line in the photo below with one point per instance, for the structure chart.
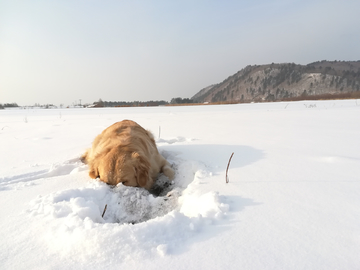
(8, 105)
(101, 103)
(179, 100)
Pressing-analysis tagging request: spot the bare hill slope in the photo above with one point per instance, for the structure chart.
(282, 81)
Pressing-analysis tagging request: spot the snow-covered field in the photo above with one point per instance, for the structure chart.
(293, 200)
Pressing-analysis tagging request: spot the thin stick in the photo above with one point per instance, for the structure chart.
(104, 211)
(227, 179)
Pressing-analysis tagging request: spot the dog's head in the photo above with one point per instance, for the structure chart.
(117, 165)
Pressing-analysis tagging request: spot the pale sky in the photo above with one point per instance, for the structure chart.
(61, 51)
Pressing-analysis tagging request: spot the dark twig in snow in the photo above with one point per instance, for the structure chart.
(227, 179)
(104, 211)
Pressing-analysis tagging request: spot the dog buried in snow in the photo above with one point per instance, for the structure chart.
(126, 153)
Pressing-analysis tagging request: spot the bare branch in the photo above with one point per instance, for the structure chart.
(104, 211)
(227, 179)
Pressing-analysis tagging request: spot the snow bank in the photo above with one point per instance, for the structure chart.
(135, 221)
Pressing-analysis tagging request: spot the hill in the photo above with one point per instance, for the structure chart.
(274, 82)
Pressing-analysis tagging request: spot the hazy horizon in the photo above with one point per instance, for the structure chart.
(62, 51)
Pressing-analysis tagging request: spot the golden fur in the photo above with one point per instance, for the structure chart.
(127, 153)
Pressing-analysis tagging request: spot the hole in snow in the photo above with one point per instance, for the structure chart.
(124, 204)
(134, 205)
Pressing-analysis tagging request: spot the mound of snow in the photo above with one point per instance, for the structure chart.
(134, 219)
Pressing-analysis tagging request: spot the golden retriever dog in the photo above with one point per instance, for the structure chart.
(126, 153)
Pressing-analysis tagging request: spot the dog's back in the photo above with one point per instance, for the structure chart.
(126, 142)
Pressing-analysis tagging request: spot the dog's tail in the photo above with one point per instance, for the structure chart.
(83, 158)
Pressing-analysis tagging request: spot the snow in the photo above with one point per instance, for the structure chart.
(292, 202)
